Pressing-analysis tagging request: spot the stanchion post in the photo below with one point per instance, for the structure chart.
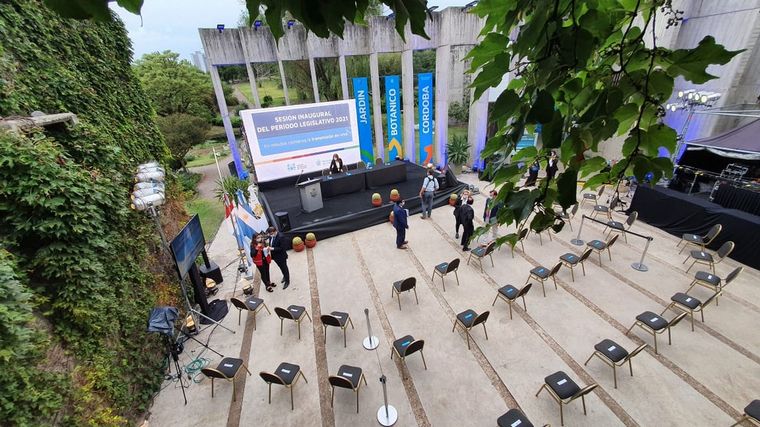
(577, 241)
(386, 414)
(371, 342)
(639, 266)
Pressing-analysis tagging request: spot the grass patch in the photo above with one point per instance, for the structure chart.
(210, 212)
(269, 87)
(203, 154)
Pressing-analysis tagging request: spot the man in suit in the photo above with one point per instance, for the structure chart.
(467, 215)
(400, 224)
(279, 254)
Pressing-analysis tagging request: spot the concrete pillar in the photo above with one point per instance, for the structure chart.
(377, 117)
(224, 112)
(254, 88)
(284, 82)
(442, 60)
(343, 75)
(407, 93)
(313, 71)
(477, 127)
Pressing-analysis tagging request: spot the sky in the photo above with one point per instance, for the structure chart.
(173, 24)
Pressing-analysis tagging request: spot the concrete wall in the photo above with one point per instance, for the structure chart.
(452, 28)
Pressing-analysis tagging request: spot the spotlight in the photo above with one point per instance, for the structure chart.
(707, 97)
(291, 23)
(673, 107)
(470, 4)
(137, 194)
(257, 23)
(691, 95)
(154, 176)
(432, 8)
(148, 185)
(684, 93)
(143, 203)
(220, 27)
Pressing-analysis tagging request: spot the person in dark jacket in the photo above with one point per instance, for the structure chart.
(400, 224)
(262, 259)
(491, 211)
(279, 254)
(551, 166)
(532, 174)
(467, 215)
(336, 165)
(458, 207)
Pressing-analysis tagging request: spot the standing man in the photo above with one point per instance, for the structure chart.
(551, 166)
(429, 187)
(279, 254)
(457, 208)
(467, 215)
(400, 223)
(491, 212)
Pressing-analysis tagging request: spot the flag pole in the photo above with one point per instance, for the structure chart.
(216, 160)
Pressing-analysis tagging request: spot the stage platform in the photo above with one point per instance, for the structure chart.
(349, 212)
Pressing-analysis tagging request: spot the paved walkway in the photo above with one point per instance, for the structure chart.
(705, 378)
(208, 184)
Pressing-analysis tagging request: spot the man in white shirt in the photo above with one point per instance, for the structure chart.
(429, 187)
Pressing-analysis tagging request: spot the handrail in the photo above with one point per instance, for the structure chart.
(629, 232)
(639, 266)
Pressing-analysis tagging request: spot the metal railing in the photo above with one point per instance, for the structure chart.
(639, 266)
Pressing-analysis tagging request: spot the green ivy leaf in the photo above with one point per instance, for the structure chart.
(660, 85)
(542, 110)
(594, 164)
(626, 116)
(133, 6)
(552, 131)
(692, 63)
(506, 104)
(491, 45)
(660, 135)
(567, 183)
(525, 153)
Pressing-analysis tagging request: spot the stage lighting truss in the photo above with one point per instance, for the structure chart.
(691, 98)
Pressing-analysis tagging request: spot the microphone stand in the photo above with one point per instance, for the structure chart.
(299, 178)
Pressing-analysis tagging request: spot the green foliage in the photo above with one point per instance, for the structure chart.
(176, 86)
(210, 213)
(230, 185)
(181, 132)
(80, 252)
(458, 149)
(188, 181)
(267, 102)
(458, 113)
(584, 72)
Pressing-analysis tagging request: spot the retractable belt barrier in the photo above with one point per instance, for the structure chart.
(639, 266)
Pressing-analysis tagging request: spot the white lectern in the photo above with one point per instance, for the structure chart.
(311, 195)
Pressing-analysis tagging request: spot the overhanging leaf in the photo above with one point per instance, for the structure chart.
(692, 63)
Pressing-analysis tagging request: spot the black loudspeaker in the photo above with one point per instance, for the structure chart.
(233, 169)
(283, 221)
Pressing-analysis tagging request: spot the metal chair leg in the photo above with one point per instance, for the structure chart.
(423, 359)
(485, 330)
(495, 298)
(543, 289)
(415, 295)
(524, 306)
(510, 309)
(589, 359)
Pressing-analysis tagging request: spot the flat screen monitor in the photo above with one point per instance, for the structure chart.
(187, 246)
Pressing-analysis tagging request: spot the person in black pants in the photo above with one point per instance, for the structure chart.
(400, 224)
(467, 215)
(551, 166)
(457, 207)
(262, 258)
(279, 254)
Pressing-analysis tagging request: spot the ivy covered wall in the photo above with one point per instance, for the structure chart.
(78, 269)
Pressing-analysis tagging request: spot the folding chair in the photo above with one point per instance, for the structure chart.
(227, 369)
(540, 239)
(599, 246)
(689, 304)
(571, 260)
(698, 241)
(469, 319)
(406, 285)
(513, 418)
(349, 377)
(444, 269)
(251, 304)
(751, 413)
(520, 237)
(619, 227)
(287, 374)
(593, 197)
(293, 312)
(607, 210)
(614, 355)
(706, 258)
(713, 282)
(338, 319)
(510, 294)
(481, 252)
(655, 324)
(406, 346)
(568, 217)
(564, 390)
(542, 274)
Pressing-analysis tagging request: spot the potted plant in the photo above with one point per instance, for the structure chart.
(298, 245)
(395, 195)
(458, 151)
(453, 199)
(377, 200)
(311, 240)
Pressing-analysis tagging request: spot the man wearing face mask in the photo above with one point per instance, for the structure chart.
(400, 224)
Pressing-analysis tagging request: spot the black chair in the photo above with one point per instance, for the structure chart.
(295, 313)
(567, 217)
(227, 370)
(655, 325)
(444, 269)
(593, 197)
(361, 166)
(619, 227)
(510, 294)
(287, 374)
(708, 259)
(542, 274)
(469, 319)
(338, 319)
(406, 346)
(564, 390)
(251, 304)
(713, 282)
(689, 304)
(349, 377)
(599, 246)
(614, 355)
(751, 413)
(571, 260)
(607, 210)
(520, 237)
(481, 252)
(698, 241)
(513, 418)
(378, 161)
(408, 284)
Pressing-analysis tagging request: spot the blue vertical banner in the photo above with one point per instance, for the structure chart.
(425, 106)
(363, 114)
(393, 117)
